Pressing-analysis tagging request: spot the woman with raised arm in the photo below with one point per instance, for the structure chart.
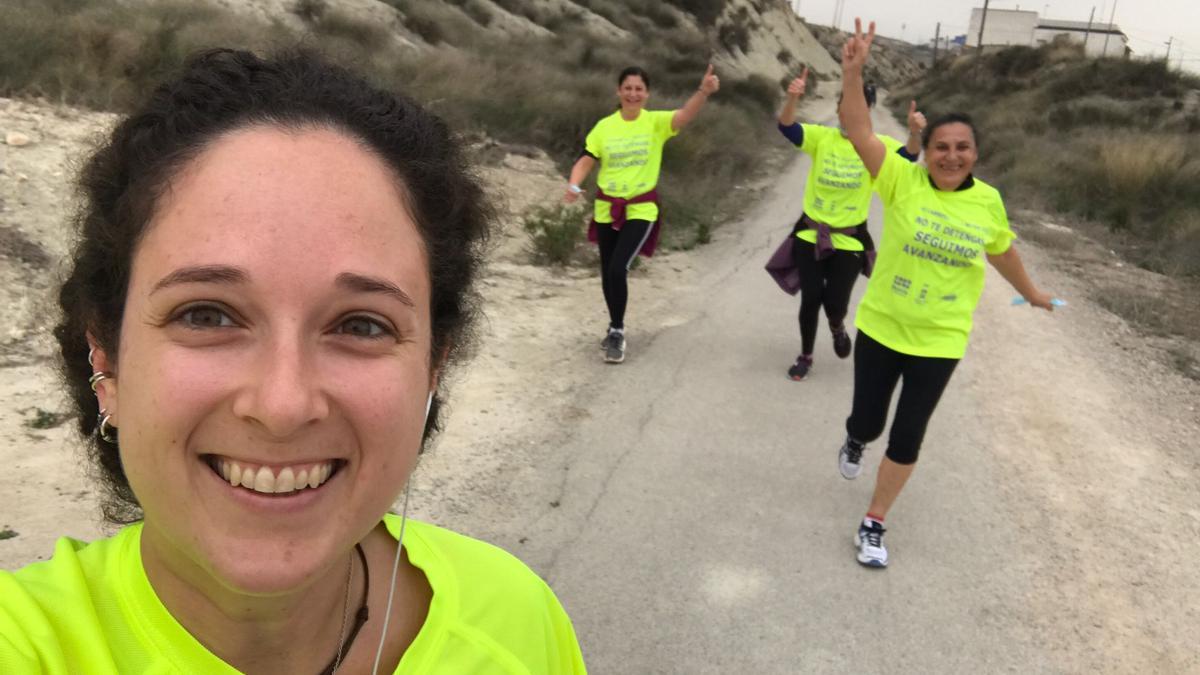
(628, 145)
(274, 268)
(832, 244)
(940, 225)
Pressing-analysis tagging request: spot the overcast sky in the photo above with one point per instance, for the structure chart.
(1148, 23)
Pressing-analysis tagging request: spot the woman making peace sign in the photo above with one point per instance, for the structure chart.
(940, 224)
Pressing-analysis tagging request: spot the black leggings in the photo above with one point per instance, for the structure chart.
(825, 283)
(876, 371)
(617, 251)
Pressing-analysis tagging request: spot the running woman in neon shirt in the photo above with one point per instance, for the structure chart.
(832, 245)
(628, 145)
(940, 225)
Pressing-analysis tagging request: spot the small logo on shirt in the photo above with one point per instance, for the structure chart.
(900, 285)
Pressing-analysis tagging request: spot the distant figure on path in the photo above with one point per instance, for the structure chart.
(940, 224)
(628, 144)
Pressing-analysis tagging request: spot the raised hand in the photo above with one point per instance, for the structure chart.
(916, 120)
(854, 52)
(798, 86)
(710, 83)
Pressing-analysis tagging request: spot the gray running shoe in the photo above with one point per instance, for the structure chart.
(869, 541)
(614, 347)
(800, 368)
(850, 458)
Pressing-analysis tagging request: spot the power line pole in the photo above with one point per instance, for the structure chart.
(1167, 58)
(1112, 17)
(1088, 33)
(937, 35)
(982, 22)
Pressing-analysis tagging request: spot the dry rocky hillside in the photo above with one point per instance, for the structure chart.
(758, 37)
(893, 62)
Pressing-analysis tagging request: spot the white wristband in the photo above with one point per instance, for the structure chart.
(575, 188)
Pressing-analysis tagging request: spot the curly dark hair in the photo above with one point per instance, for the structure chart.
(220, 91)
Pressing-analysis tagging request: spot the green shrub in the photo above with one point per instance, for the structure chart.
(310, 11)
(756, 93)
(660, 15)
(338, 26)
(478, 12)
(1017, 61)
(706, 11)
(110, 56)
(46, 419)
(555, 233)
(734, 35)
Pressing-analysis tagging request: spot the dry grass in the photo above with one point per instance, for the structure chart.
(107, 55)
(1131, 164)
(1147, 310)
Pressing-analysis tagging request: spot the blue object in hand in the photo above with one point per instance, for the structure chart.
(1054, 301)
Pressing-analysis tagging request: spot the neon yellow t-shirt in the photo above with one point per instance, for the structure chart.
(838, 189)
(630, 155)
(91, 609)
(930, 268)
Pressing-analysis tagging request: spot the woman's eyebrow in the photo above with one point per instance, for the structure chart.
(365, 284)
(202, 274)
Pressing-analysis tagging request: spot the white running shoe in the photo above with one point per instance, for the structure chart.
(850, 458)
(869, 541)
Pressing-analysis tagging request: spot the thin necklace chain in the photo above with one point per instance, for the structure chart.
(345, 615)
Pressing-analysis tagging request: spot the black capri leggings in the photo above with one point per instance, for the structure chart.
(824, 283)
(617, 251)
(876, 371)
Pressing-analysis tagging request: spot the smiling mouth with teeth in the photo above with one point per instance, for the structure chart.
(265, 480)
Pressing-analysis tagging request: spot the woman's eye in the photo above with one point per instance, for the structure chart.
(361, 326)
(205, 317)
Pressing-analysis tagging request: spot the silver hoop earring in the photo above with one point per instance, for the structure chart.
(98, 377)
(104, 428)
(91, 356)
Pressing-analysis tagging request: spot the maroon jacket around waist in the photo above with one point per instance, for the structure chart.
(617, 208)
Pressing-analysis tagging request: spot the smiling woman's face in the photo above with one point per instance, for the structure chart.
(276, 335)
(633, 92)
(951, 154)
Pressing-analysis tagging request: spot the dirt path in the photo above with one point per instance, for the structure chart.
(685, 505)
(689, 513)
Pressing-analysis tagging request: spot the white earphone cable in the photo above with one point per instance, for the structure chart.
(387, 614)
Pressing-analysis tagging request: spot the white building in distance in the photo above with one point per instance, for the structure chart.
(1020, 27)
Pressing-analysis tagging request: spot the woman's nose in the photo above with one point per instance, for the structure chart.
(283, 395)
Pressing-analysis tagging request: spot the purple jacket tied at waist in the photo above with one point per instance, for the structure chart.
(782, 265)
(617, 209)
(824, 247)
